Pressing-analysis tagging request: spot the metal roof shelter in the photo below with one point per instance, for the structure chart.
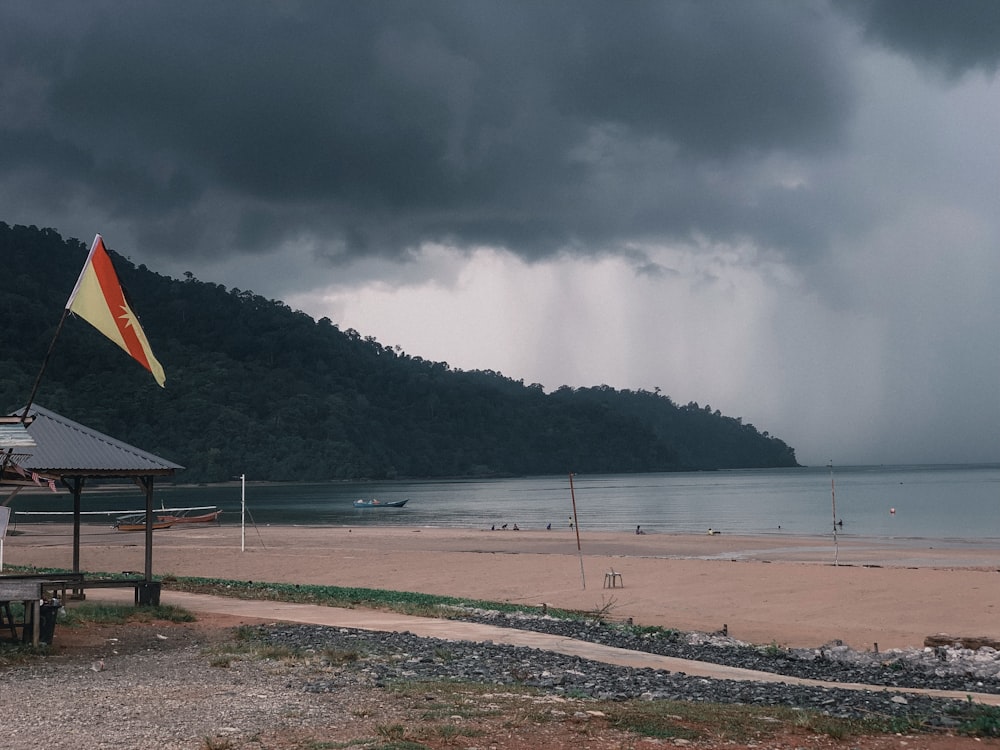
(73, 453)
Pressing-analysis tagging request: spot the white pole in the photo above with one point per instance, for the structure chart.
(1, 554)
(243, 518)
(833, 502)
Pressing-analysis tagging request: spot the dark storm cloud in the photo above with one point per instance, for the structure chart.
(955, 36)
(371, 127)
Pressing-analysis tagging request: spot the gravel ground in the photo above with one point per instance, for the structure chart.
(403, 656)
(167, 700)
(173, 691)
(936, 668)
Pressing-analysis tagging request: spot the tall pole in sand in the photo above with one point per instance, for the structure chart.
(576, 525)
(243, 518)
(833, 501)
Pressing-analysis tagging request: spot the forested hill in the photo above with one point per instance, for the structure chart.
(255, 387)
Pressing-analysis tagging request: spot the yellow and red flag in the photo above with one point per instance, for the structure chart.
(98, 298)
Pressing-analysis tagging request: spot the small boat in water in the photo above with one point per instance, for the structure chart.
(203, 518)
(375, 503)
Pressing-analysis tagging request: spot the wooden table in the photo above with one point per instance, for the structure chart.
(30, 594)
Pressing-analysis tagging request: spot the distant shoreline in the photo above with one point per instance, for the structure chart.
(56, 527)
(882, 506)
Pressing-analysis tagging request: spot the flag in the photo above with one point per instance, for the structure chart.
(98, 298)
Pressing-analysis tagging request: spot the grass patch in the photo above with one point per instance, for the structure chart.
(394, 737)
(339, 656)
(442, 701)
(248, 642)
(734, 723)
(440, 704)
(978, 720)
(406, 602)
(13, 653)
(654, 631)
(98, 613)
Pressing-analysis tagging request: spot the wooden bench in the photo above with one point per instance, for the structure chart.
(58, 584)
(146, 592)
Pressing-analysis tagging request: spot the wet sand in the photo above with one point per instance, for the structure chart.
(792, 591)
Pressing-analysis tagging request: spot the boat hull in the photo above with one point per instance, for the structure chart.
(380, 503)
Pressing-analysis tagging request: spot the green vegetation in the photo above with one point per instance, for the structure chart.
(90, 613)
(406, 602)
(250, 382)
(733, 723)
(978, 720)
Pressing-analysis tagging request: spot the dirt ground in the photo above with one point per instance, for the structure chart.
(481, 720)
(766, 590)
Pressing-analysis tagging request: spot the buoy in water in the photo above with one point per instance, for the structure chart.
(892, 511)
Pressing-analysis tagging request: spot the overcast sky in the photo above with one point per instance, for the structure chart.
(787, 210)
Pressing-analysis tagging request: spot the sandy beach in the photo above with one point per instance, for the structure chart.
(774, 589)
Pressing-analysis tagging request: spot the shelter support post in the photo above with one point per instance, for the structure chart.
(147, 485)
(148, 592)
(77, 489)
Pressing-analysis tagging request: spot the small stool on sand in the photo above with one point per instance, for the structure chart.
(613, 580)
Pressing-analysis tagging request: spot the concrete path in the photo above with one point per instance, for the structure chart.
(456, 630)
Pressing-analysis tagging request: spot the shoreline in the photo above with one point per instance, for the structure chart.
(785, 590)
(820, 540)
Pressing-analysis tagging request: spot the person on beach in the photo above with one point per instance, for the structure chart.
(638, 530)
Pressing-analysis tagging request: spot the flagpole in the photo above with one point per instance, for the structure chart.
(45, 363)
(576, 525)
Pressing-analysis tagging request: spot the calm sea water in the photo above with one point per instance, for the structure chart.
(937, 502)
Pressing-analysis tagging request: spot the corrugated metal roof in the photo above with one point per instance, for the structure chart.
(63, 446)
(15, 435)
